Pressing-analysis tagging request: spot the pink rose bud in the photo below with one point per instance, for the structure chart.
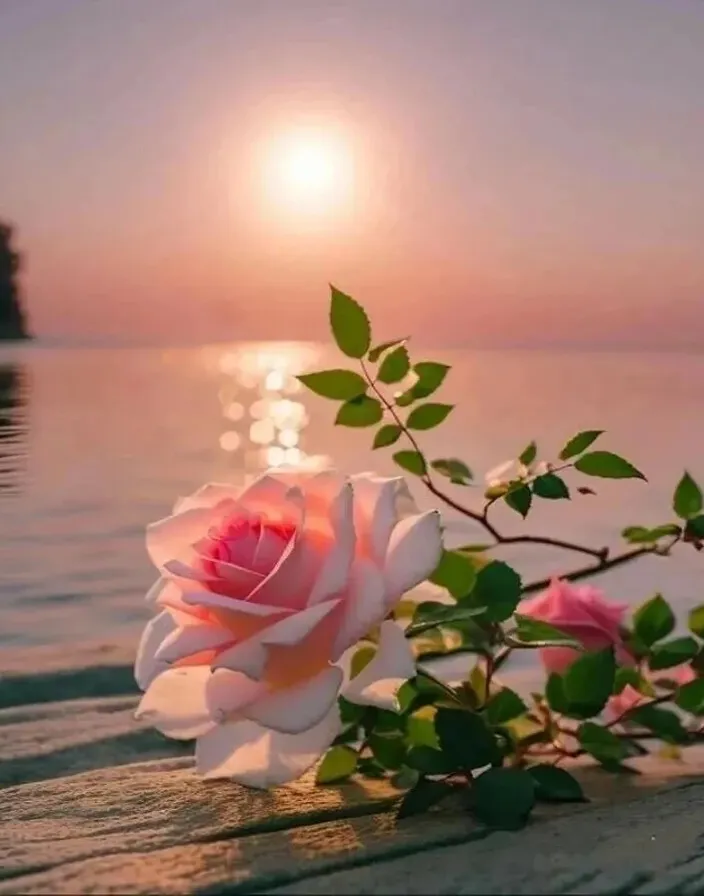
(629, 698)
(581, 612)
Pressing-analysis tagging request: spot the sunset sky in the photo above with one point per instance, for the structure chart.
(481, 172)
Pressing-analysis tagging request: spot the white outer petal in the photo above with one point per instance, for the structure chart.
(188, 640)
(147, 666)
(335, 571)
(248, 656)
(415, 548)
(365, 605)
(296, 709)
(393, 664)
(228, 692)
(257, 757)
(379, 504)
(175, 703)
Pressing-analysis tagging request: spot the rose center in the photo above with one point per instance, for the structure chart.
(254, 543)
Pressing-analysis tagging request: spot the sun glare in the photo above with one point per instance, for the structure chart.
(309, 172)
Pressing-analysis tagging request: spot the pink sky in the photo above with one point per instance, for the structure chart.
(525, 173)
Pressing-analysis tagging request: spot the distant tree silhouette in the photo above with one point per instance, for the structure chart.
(12, 319)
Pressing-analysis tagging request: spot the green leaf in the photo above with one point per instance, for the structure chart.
(431, 614)
(429, 761)
(431, 376)
(504, 706)
(395, 365)
(551, 487)
(370, 768)
(555, 693)
(672, 653)
(641, 535)
(456, 572)
(387, 435)
(422, 797)
(360, 411)
(339, 763)
(662, 722)
(503, 798)
(630, 675)
(528, 455)
(690, 697)
(412, 462)
(579, 443)
(555, 785)
(390, 752)
(349, 735)
(695, 527)
(340, 385)
(455, 470)
(519, 499)
(379, 350)
(653, 620)
(601, 743)
(607, 465)
(589, 681)
(537, 633)
(426, 416)
(350, 324)
(696, 621)
(498, 588)
(465, 739)
(405, 778)
(687, 500)
(361, 658)
(351, 713)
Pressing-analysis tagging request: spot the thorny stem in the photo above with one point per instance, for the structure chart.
(593, 569)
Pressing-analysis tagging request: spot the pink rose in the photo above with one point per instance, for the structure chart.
(630, 698)
(581, 612)
(627, 699)
(261, 593)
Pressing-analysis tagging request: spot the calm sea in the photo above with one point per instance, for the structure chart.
(94, 444)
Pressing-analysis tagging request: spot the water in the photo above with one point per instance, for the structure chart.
(94, 444)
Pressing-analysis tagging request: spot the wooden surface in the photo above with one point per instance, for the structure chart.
(92, 802)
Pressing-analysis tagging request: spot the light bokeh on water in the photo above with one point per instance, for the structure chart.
(96, 443)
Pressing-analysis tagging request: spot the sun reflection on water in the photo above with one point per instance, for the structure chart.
(265, 423)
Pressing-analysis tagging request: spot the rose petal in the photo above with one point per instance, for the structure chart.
(186, 641)
(207, 496)
(265, 493)
(294, 710)
(379, 504)
(393, 664)
(335, 570)
(234, 578)
(414, 552)
(147, 666)
(203, 598)
(248, 656)
(169, 538)
(257, 757)
(365, 605)
(227, 692)
(175, 703)
(293, 629)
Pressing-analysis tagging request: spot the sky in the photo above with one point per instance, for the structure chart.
(499, 172)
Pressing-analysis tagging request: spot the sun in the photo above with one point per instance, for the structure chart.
(309, 172)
